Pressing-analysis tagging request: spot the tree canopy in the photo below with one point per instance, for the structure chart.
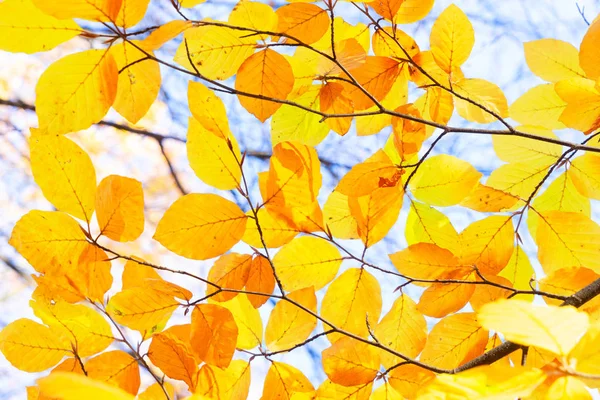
(503, 307)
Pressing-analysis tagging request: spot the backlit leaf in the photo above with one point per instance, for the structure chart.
(454, 340)
(452, 38)
(402, 329)
(553, 60)
(444, 180)
(556, 329)
(70, 386)
(32, 347)
(349, 362)
(264, 74)
(352, 299)
(115, 368)
(76, 91)
(307, 261)
(120, 208)
(201, 226)
(214, 334)
(65, 174)
(25, 28)
(290, 325)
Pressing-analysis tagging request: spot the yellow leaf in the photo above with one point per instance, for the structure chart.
(132, 12)
(224, 384)
(216, 52)
(387, 8)
(214, 334)
(201, 226)
(563, 194)
(402, 329)
(376, 213)
(584, 175)
(454, 340)
(65, 174)
(230, 271)
(584, 356)
(208, 109)
(583, 104)
(427, 225)
(92, 277)
(47, 239)
(568, 387)
(518, 179)
(488, 382)
(155, 392)
(413, 10)
(407, 379)
(174, 357)
(487, 199)
(556, 329)
(248, 321)
(142, 308)
(93, 10)
(190, 3)
(76, 91)
(116, 368)
(553, 60)
(519, 272)
(292, 185)
(425, 261)
(338, 218)
(488, 244)
(293, 123)
(567, 239)
(307, 261)
(441, 299)
(265, 74)
(519, 149)
(488, 293)
(588, 52)
(329, 391)
(273, 230)
(71, 386)
(486, 95)
(349, 362)
(261, 280)
(366, 177)
(540, 106)
(386, 44)
(333, 100)
(25, 28)
(165, 33)
(213, 156)
(444, 180)
(120, 208)
(377, 76)
(253, 15)
(386, 392)
(305, 22)
(282, 380)
(452, 39)
(139, 80)
(290, 325)
(86, 330)
(352, 299)
(32, 347)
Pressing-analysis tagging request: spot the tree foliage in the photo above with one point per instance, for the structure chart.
(284, 270)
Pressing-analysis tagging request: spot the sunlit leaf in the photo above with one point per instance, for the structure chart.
(556, 329)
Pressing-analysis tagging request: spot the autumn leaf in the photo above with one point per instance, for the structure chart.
(25, 28)
(201, 226)
(76, 91)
